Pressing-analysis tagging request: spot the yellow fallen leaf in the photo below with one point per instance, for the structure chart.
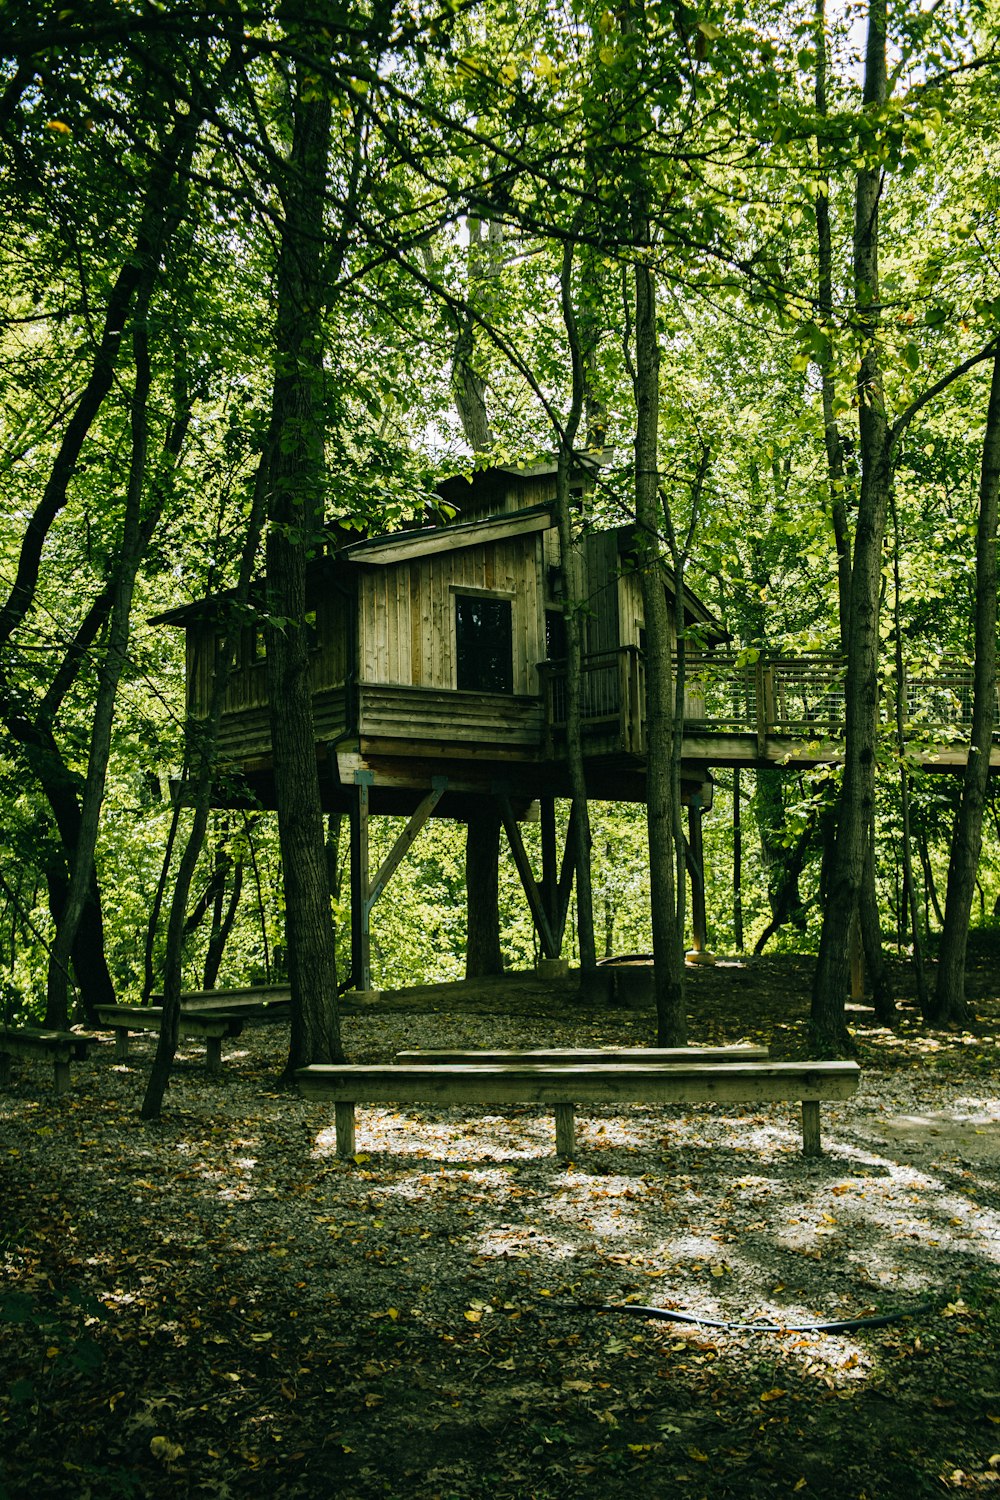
(166, 1451)
(718, 1270)
(697, 1455)
(774, 1394)
(58, 127)
(474, 1315)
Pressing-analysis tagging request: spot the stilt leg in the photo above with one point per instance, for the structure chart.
(361, 959)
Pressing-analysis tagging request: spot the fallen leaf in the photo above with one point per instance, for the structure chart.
(166, 1451)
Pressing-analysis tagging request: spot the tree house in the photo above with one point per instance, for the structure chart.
(438, 677)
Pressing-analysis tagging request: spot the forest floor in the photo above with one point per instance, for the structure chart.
(215, 1305)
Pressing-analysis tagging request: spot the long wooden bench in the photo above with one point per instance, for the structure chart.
(121, 1019)
(63, 1047)
(566, 1086)
(567, 1056)
(254, 1002)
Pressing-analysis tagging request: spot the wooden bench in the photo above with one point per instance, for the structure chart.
(121, 1019)
(565, 1086)
(63, 1047)
(252, 1003)
(567, 1056)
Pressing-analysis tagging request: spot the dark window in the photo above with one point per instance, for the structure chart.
(555, 634)
(484, 644)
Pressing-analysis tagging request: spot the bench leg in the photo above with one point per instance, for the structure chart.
(810, 1128)
(564, 1129)
(344, 1118)
(4, 1068)
(121, 1045)
(213, 1055)
(61, 1070)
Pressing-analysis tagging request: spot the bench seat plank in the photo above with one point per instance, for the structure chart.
(63, 1047)
(121, 1019)
(554, 1056)
(569, 1085)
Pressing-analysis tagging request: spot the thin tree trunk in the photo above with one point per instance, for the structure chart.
(868, 913)
(569, 552)
(950, 1007)
(222, 926)
(661, 819)
(202, 743)
(909, 885)
(737, 863)
(112, 665)
(828, 1031)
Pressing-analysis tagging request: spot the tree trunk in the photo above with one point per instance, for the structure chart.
(950, 1007)
(668, 940)
(737, 862)
(130, 556)
(222, 925)
(828, 1031)
(868, 913)
(573, 594)
(295, 472)
(482, 878)
(909, 893)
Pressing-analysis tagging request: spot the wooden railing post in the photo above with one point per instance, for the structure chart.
(763, 688)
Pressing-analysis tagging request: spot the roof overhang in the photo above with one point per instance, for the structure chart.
(403, 546)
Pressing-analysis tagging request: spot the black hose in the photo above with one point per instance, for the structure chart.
(840, 1325)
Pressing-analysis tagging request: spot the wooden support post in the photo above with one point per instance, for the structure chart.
(361, 958)
(4, 1068)
(565, 889)
(60, 1067)
(565, 1125)
(121, 1044)
(550, 868)
(343, 1114)
(213, 1054)
(406, 839)
(810, 1128)
(539, 915)
(696, 869)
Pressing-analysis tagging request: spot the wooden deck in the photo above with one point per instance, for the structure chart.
(748, 709)
(743, 709)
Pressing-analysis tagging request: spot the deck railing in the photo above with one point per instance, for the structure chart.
(746, 692)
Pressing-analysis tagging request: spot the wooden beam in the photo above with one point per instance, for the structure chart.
(535, 903)
(361, 958)
(696, 870)
(406, 839)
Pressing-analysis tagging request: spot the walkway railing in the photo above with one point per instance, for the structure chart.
(738, 693)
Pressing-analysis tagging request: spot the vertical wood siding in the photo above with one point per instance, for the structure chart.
(407, 612)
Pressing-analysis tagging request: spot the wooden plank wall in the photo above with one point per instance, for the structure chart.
(407, 612)
(489, 723)
(601, 570)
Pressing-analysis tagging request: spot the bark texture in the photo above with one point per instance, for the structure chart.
(295, 472)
